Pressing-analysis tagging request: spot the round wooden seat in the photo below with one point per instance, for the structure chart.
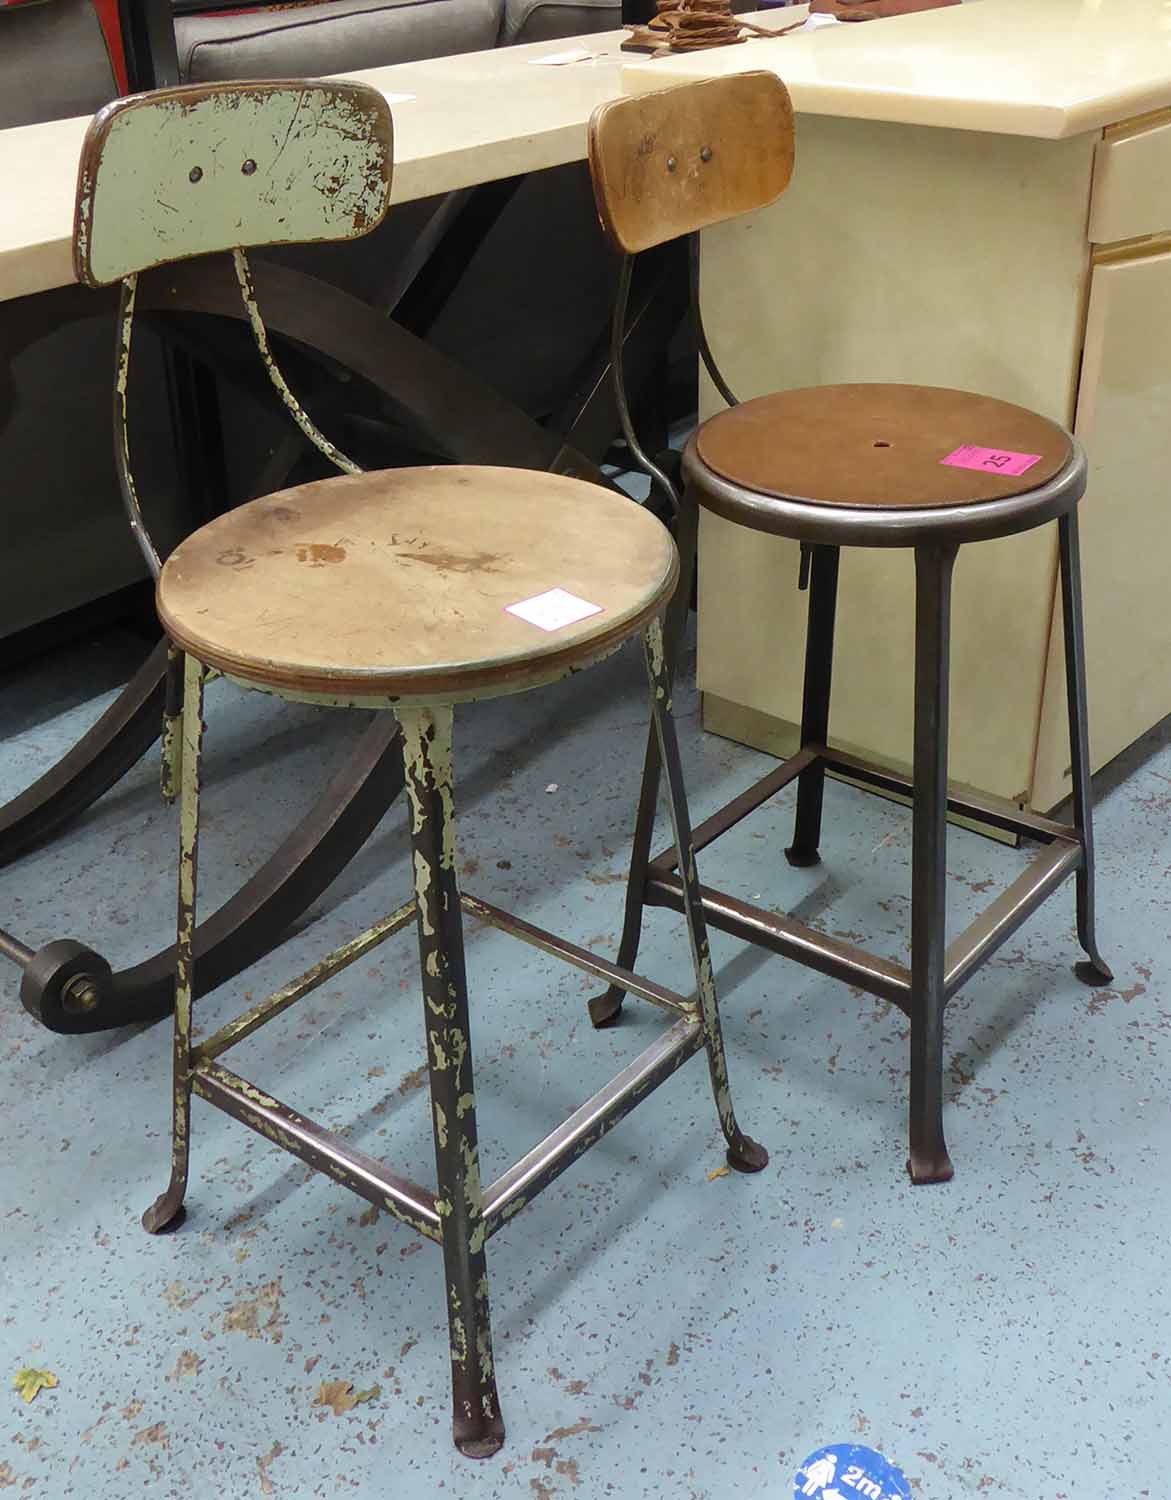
(401, 583)
(881, 449)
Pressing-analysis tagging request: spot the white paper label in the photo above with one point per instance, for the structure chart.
(559, 59)
(554, 609)
(398, 98)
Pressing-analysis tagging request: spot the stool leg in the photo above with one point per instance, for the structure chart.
(605, 1008)
(819, 658)
(1092, 971)
(477, 1425)
(167, 1211)
(929, 1161)
(745, 1154)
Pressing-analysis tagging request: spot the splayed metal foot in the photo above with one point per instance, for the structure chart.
(165, 1213)
(1093, 971)
(480, 1439)
(747, 1155)
(930, 1166)
(606, 1008)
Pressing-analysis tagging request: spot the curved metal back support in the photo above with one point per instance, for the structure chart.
(190, 171)
(672, 163)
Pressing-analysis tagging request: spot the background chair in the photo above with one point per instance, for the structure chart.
(833, 466)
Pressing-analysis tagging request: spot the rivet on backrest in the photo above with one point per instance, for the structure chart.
(248, 168)
(705, 153)
(195, 174)
(671, 164)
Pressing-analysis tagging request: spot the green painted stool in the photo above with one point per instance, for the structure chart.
(409, 590)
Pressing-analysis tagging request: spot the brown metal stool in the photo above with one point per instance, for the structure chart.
(409, 590)
(834, 466)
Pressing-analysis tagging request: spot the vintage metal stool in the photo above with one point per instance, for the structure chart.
(851, 465)
(410, 590)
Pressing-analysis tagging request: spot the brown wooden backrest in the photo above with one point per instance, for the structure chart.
(668, 163)
(188, 171)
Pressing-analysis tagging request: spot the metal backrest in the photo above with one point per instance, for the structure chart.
(227, 166)
(670, 163)
(188, 171)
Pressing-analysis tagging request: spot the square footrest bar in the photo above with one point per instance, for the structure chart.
(317, 1148)
(333, 963)
(521, 1183)
(369, 1178)
(841, 960)
(580, 958)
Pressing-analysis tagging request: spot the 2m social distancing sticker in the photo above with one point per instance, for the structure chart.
(848, 1471)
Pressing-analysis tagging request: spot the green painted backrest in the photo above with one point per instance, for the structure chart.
(188, 171)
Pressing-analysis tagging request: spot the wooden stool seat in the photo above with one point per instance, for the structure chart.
(880, 446)
(399, 584)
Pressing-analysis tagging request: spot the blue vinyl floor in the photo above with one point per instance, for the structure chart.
(662, 1329)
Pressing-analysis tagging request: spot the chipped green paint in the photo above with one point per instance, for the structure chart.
(422, 868)
(297, 411)
(427, 760)
(126, 484)
(660, 678)
(742, 1151)
(171, 764)
(458, 1328)
(439, 1059)
(165, 1209)
(192, 171)
(333, 963)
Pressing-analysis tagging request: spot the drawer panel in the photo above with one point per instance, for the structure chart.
(1132, 181)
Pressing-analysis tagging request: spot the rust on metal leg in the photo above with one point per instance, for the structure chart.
(606, 1008)
(1093, 969)
(171, 768)
(745, 1154)
(819, 655)
(929, 1160)
(167, 1210)
(477, 1424)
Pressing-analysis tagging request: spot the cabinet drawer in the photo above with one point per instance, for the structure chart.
(1132, 181)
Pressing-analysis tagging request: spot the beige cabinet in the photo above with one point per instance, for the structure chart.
(960, 258)
(1124, 420)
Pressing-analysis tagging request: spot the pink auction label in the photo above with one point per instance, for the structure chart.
(1000, 460)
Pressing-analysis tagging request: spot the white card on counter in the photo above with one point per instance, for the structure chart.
(558, 59)
(554, 609)
(398, 98)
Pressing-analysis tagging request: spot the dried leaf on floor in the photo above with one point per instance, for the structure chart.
(341, 1397)
(718, 1172)
(29, 1383)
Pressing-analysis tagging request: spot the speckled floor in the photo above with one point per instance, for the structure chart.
(660, 1330)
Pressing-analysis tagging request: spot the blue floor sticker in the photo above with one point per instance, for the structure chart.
(845, 1471)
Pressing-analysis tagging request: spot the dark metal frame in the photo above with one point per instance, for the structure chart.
(459, 1214)
(937, 969)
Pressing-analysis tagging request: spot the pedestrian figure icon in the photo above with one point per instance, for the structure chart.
(848, 1471)
(818, 1474)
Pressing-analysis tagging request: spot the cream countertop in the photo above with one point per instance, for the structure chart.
(472, 118)
(1045, 68)
(1042, 68)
